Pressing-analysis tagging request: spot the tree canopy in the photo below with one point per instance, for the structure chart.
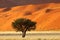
(23, 25)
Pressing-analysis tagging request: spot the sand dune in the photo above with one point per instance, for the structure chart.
(11, 10)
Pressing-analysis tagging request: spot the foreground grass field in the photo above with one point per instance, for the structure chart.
(43, 35)
(28, 39)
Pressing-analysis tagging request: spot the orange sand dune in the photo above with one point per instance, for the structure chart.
(45, 20)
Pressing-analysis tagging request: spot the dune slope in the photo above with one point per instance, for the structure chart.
(45, 13)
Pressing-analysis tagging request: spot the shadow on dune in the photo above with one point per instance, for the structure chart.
(8, 4)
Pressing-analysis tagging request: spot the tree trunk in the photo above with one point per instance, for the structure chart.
(23, 33)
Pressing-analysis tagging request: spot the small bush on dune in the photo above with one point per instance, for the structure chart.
(48, 10)
(28, 13)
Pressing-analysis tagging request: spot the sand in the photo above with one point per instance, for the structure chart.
(45, 12)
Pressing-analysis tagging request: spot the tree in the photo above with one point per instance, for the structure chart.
(23, 25)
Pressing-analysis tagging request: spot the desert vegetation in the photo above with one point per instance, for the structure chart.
(30, 39)
(28, 13)
(48, 10)
(23, 25)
